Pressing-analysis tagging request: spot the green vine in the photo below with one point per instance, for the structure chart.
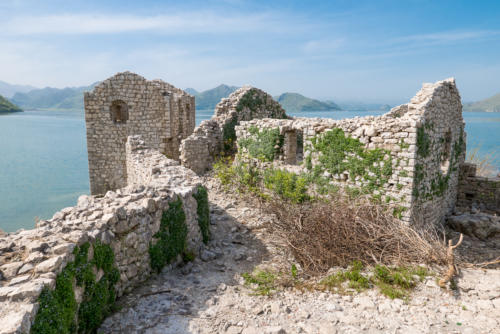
(171, 236)
(203, 212)
(340, 153)
(58, 308)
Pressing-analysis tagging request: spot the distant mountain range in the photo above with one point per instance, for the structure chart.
(293, 102)
(7, 106)
(52, 98)
(72, 99)
(208, 99)
(7, 90)
(491, 104)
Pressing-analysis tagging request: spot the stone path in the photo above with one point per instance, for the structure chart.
(208, 295)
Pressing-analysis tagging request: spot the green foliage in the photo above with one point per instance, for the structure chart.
(203, 211)
(225, 171)
(58, 307)
(7, 106)
(250, 100)
(288, 185)
(356, 280)
(423, 141)
(398, 211)
(263, 282)
(397, 282)
(394, 282)
(229, 135)
(294, 271)
(265, 144)
(171, 236)
(340, 153)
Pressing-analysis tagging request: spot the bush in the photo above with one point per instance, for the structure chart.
(344, 230)
(288, 185)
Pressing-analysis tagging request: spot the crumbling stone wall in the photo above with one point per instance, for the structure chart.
(476, 193)
(408, 157)
(123, 224)
(127, 104)
(216, 137)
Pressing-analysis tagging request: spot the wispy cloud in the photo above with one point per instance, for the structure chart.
(180, 23)
(448, 37)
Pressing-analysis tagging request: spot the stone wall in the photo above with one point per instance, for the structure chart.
(124, 224)
(215, 137)
(408, 157)
(476, 193)
(128, 104)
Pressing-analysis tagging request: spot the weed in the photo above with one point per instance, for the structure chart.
(264, 282)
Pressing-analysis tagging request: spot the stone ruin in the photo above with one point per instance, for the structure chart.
(411, 157)
(127, 104)
(125, 224)
(216, 137)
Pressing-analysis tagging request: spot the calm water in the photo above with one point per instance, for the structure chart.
(43, 158)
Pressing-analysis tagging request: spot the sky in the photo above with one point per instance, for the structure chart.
(372, 51)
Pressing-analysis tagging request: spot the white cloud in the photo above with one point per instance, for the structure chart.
(196, 22)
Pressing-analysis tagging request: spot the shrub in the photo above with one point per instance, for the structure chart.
(288, 185)
(344, 230)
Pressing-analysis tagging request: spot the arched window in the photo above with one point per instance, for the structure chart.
(119, 112)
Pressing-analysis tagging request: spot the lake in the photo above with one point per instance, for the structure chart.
(44, 168)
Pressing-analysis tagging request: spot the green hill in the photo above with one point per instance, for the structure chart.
(52, 98)
(7, 106)
(208, 99)
(491, 104)
(293, 102)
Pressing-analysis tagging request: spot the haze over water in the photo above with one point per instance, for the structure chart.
(44, 168)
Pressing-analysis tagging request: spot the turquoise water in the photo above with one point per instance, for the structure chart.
(43, 158)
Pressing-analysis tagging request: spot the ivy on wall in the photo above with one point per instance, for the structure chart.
(338, 153)
(59, 312)
(203, 211)
(171, 236)
(440, 182)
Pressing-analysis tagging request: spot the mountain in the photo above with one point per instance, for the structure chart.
(191, 91)
(208, 99)
(295, 102)
(9, 90)
(491, 104)
(361, 106)
(7, 106)
(52, 98)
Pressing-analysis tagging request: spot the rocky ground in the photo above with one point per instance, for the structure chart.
(208, 295)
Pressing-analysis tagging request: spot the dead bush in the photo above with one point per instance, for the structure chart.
(336, 233)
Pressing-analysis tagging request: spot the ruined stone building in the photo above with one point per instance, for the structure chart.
(127, 104)
(409, 157)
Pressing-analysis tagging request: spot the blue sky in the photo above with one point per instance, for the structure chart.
(377, 51)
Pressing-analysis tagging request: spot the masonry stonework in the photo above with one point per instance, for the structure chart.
(127, 220)
(216, 137)
(127, 104)
(409, 157)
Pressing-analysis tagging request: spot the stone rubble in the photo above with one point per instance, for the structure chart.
(208, 295)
